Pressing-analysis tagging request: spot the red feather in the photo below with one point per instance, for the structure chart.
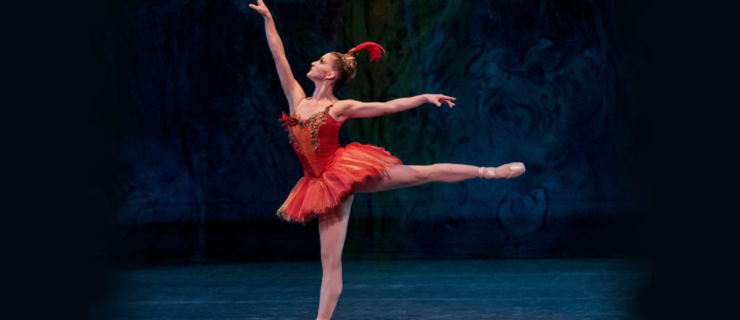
(288, 121)
(372, 48)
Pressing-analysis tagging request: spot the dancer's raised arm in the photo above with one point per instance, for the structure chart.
(291, 88)
(349, 109)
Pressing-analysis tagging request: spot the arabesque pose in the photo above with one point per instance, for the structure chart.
(333, 173)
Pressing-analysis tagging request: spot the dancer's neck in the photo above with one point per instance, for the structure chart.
(323, 91)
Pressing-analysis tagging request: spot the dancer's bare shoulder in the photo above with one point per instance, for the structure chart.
(340, 108)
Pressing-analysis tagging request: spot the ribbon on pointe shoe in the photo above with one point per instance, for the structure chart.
(490, 173)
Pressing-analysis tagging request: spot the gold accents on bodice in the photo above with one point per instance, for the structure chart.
(315, 121)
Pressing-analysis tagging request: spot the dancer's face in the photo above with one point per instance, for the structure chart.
(323, 69)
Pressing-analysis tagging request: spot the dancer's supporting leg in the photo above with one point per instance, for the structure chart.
(402, 176)
(332, 234)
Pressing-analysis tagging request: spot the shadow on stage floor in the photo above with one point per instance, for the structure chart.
(399, 289)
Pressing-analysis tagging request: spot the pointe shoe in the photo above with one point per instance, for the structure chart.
(515, 169)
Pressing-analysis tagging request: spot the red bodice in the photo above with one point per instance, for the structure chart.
(315, 140)
(330, 171)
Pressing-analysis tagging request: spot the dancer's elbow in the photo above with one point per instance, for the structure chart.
(388, 108)
(278, 54)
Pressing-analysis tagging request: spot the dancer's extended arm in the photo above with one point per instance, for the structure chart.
(291, 88)
(355, 109)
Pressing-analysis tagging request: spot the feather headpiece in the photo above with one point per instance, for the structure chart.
(371, 47)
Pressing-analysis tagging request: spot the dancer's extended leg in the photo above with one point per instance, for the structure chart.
(332, 235)
(402, 176)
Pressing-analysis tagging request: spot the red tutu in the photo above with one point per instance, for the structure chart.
(329, 170)
(354, 163)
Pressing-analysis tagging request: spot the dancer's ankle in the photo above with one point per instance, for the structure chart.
(487, 172)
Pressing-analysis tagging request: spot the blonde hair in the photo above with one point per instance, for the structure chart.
(346, 65)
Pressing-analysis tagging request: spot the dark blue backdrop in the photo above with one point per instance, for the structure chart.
(195, 163)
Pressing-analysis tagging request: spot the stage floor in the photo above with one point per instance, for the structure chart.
(405, 289)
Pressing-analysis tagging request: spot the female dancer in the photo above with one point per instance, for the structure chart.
(332, 173)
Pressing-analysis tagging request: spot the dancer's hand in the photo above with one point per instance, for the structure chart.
(261, 8)
(439, 99)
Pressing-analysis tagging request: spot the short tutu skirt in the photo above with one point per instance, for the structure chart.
(321, 195)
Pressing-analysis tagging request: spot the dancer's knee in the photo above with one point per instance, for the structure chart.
(424, 174)
(331, 261)
(332, 275)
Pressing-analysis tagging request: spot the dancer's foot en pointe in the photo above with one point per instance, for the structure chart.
(507, 171)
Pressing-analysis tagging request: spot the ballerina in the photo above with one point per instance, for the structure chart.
(334, 173)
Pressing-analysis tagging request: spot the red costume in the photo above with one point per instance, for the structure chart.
(329, 170)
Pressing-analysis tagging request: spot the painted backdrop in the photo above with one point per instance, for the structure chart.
(193, 162)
